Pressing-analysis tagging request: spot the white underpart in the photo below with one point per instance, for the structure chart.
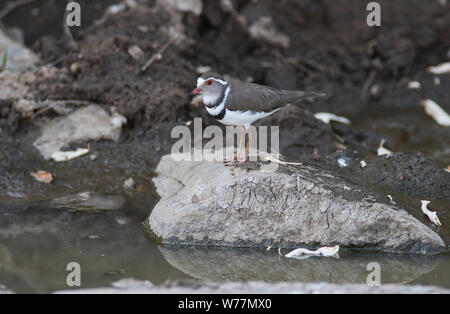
(244, 118)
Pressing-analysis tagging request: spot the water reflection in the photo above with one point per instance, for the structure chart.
(36, 243)
(245, 264)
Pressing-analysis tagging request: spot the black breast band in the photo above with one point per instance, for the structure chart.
(221, 114)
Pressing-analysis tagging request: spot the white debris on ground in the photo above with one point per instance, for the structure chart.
(136, 52)
(381, 151)
(69, 155)
(203, 69)
(414, 85)
(363, 164)
(327, 117)
(431, 215)
(264, 30)
(440, 69)
(193, 6)
(436, 112)
(325, 251)
(129, 184)
(118, 120)
(343, 161)
(391, 200)
(272, 158)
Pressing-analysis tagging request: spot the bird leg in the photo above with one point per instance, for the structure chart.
(241, 142)
(248, 146)
(237, 158)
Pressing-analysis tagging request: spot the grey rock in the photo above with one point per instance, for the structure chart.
(12, 87)
(19, 57)
(193, 6)
(259, 287)
(264, 30)
(207, 203)
(87, 123)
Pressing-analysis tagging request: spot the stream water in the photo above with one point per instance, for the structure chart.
(111, 245)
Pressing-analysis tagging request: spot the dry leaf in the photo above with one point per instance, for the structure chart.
(436, 112)
(42, 176)
(431, 215)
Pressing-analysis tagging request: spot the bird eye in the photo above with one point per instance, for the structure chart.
(209, 82)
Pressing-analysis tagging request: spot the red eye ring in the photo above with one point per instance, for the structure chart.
(209, 82)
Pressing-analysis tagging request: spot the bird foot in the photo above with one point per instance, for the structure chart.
(236, 160)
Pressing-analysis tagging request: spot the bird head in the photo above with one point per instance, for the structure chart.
(211, 85)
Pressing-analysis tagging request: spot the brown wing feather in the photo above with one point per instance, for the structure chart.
(245, 96)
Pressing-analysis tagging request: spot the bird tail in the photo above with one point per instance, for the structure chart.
(311, 95)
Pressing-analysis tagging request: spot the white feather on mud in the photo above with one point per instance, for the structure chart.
(431, 215)
(414, 85)
(326, 117)
(381, 151)
(440, 69)
(436, 112)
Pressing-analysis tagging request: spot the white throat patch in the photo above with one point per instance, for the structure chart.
(208, 100)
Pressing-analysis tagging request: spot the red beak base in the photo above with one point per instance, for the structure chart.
(195, 92)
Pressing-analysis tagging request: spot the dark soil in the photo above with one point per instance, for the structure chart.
(332, 49)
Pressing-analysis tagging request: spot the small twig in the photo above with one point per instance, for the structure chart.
(5, 61)
(158, 55)
(313, 64)
(367, 84)
(227, 6)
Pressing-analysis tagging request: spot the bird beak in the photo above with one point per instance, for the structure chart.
(195, 92)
